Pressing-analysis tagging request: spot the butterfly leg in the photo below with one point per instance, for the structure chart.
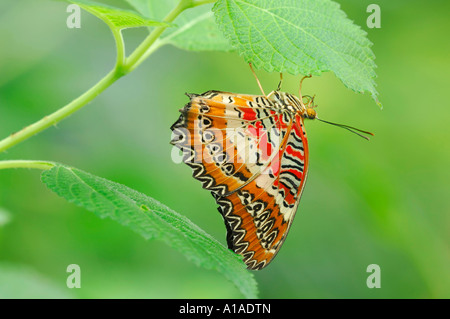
(309, 100)
(300, 89)
(257, 80)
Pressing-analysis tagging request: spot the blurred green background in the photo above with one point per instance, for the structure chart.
(381, 202)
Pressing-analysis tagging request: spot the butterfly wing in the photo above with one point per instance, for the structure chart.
(260, 214)
(253, 156)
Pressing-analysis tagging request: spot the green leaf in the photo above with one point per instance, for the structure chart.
(299, 36)
(195, 30)
(150, 219)
(117, 18)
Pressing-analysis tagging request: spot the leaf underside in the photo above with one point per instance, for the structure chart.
(299, 36)
(294, 36)
(150, 219)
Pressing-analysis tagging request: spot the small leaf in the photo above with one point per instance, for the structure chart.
(195, 30)
(150, 219)
(117, 18)
(299, 36)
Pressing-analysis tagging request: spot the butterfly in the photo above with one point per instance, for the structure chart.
(251, 152)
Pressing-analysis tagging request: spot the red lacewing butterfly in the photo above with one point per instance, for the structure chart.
(251, 152)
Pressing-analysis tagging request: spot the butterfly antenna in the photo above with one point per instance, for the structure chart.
(257, 80)
(349, 128)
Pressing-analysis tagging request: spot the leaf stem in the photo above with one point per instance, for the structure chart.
(120, 46)
(26, 164)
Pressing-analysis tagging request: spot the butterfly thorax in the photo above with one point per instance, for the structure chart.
(294, 104)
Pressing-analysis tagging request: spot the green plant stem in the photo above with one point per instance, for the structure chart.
(123, 66)
(120, 46)
(26, 164)
(144, 49)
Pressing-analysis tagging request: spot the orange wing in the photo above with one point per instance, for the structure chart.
(252, 154)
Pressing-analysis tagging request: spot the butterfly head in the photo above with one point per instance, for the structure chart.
(308, 111)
